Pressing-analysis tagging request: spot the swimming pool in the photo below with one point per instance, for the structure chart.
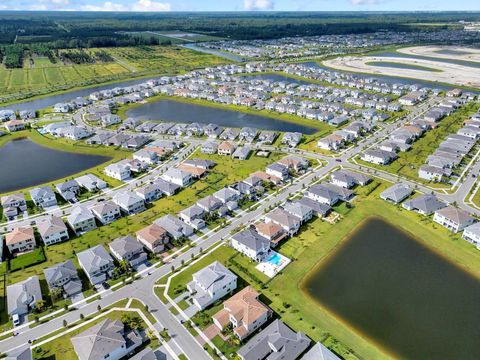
(275, 259)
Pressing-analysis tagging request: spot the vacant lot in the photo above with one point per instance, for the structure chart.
(43, 77)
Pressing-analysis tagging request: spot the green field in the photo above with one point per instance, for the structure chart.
(43, 77)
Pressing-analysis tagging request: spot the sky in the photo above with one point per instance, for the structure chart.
(241, 5)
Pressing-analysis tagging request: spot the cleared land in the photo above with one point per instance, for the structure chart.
(447, 72)
(444, 52)
(44, 77)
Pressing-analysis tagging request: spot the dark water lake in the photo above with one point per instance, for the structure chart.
(26, 163)
(406, 298)
(399, 66)
(452, 52)
(180, 112)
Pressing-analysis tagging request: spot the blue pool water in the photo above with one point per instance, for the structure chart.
(275, 260)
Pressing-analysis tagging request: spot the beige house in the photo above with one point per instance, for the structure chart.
(226, 148)
(244, 311)
(153, 237)
(20, 240)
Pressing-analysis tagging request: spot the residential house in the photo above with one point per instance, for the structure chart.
(81, 220)
(472, 234)
(107, 340)
(91, 182)
(153, 237)
(149, 192)
(453, 219)
(118, 171)
(52, 230)
(331, 142)
(319, 209)
(226, 148)
(210, 284)
(424, 204)
(69, 190)
(166, 187)
(43, 197)
(193, 216)
(147, 156)
(272, 232)
(433, 173)
(322, 194)
(209, 203)
(276, 341)
(23, 352)
(209, 147)
(14, 125)
(348, 179)
(250, 243)
(289, 223)
(13, 205)
(96, 263)
(23, 296)
(319, 352)
(20, 240)
(296, 163)
(177, 176)
(244, 311)
(379, 157)
(63, 276)
(396, 193)
(292, 139)
(278, 170)
(129, 202)
(175, 227)
(106, 212)
(241, 153)
(302, 212)
(127, 248)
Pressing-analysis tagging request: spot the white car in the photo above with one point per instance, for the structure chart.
(16, 320)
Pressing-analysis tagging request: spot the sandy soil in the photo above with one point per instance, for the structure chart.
(450, 73)
(433, 51)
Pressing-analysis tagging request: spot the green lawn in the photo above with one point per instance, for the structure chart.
(21, 262)
(410, 161)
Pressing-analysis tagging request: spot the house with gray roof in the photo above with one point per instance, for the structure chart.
(178, 177)
(319, 352)
(319, 209)
(472, 234)
(241, 153)
(348, 179)
(396, 193)
(252, 244)
(63, 276)
(43, 197)
(424, 204)
(200, 163)
(127, 248)
(107, 340)
(433, 173)
(175, 227)
(209, 147)
(129, 202)
(209, 203)
(106, 212)
(278, 170)
(81, 220)
(191, 213)
(149, 192)
(52, 230)
(166, 187)
(276, 341)
(378, 157)
(22, 296)
(13, 205)
(69, 190)
(289, 222)
(453, 219)
(227, 194)
(20, 353)
(302, 212)
(344, 194)
(211, 284)
(91, 182)
(322, 194)
(96, 263)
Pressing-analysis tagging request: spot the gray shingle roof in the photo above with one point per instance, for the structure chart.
(251, 239)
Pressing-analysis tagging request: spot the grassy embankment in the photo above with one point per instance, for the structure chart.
(409, 162)
(227, 171)
(45, 78)
(317, 239)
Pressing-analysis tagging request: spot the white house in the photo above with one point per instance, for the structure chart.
(252, 244)
(178, 177)
(118, 171)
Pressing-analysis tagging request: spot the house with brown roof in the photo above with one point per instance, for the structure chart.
(196, 172)
(52, 230)
(153, 237)
(15, 125)
(244, 311)
(226, 148)
(293, 162)
(20, 240)
(272, 232)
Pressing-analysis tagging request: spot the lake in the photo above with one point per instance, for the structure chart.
(180, 112)
(397, 292)
(451, 61)
(26, 163)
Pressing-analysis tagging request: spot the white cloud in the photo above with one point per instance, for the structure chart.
(140, 5)
(364, 2)
(148, 5)
(258, 4)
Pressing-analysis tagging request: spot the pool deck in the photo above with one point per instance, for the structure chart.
(270, 269)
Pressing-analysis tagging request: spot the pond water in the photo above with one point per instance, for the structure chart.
(406, 298)
(452, 52)
(26, 163)
(180, 112)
